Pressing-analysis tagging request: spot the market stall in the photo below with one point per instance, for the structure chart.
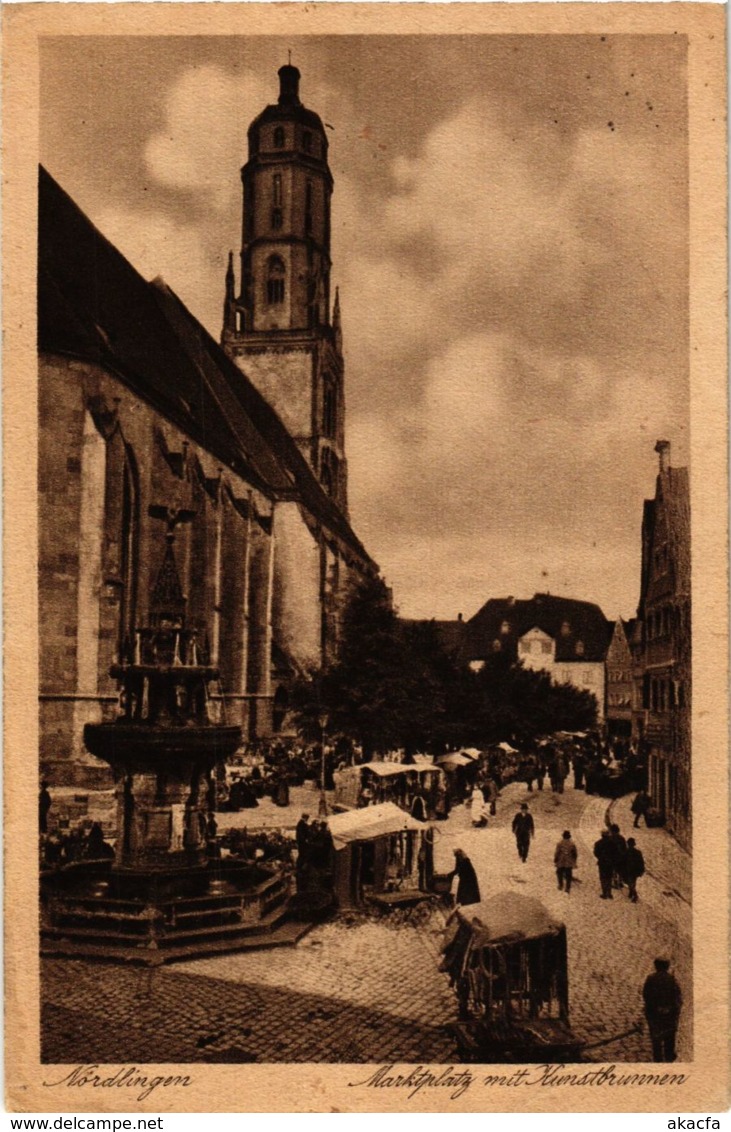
(375, 782)
(376, 853)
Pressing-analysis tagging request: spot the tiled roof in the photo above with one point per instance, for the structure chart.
(579, 628)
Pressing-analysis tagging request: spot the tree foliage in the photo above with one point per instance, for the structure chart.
(394, 686)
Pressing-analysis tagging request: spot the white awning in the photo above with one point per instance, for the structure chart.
(369, 823)
(454, 759)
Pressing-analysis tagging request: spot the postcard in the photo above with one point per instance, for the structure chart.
(365, 431)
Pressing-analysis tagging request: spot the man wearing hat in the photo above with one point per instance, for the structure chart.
(524, 829)
(663, 1001)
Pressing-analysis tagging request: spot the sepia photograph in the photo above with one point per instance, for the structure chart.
(364, 595)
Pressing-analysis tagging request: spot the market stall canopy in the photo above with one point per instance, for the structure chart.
(472, 752)
(454, 760)
(369, 823)
(507, 748)
(387, 770)
(508, 917)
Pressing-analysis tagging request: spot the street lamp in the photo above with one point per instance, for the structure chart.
(322, 719)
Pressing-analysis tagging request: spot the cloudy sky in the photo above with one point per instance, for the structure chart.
(510, 242)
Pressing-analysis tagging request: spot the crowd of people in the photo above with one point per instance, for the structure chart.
(86, 842)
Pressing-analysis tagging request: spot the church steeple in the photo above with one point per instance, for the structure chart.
(278, 329)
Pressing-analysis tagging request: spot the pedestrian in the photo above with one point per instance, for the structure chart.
(663, 1001)
(604, 853)
(479, 808)
(634, 867)
(302, 834)
(468, 890)
(640, 805)
(524, 829)
(619, 846)
(426, 859)
(560, 771)
(489, 793)
(44, 804)
(565, 861)
(540, 771)
(528, 772)
(579, 764)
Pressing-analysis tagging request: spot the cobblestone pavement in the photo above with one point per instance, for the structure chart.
(362, 990)
(612, 944)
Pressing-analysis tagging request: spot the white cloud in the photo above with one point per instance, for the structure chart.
(204, 133)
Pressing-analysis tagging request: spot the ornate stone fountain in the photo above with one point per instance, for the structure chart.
(162, 896)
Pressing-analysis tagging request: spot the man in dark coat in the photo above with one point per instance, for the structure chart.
(44, 804)
(302, 834)
(620, 852)
(663, 1001)
(604, 853)
(524, 829)
(634, 867)
(579, 766)
(640, 805)
(468, 890)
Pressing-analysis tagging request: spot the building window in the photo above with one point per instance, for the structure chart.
(505, 628)
(278, 138)
(579, 648)
(307, 141)
(566, 675)
(646, 691)
(546, 647)
(276, 218)
(277, 189)
(275, 280)
(588, 676)
(525, 646)
(496, 645)
(566, 629)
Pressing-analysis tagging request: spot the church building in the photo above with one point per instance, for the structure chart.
(148, 426)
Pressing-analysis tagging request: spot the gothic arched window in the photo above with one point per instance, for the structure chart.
(277, 189)
(278, 137)
(329, 409)
(275, 279)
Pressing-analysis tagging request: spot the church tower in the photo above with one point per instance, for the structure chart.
(278, 328)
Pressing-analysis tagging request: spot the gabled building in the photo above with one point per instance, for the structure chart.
(620, 681)
(562, 636)
(662, 646)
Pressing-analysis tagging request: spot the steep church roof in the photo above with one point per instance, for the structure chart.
(94, 306)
